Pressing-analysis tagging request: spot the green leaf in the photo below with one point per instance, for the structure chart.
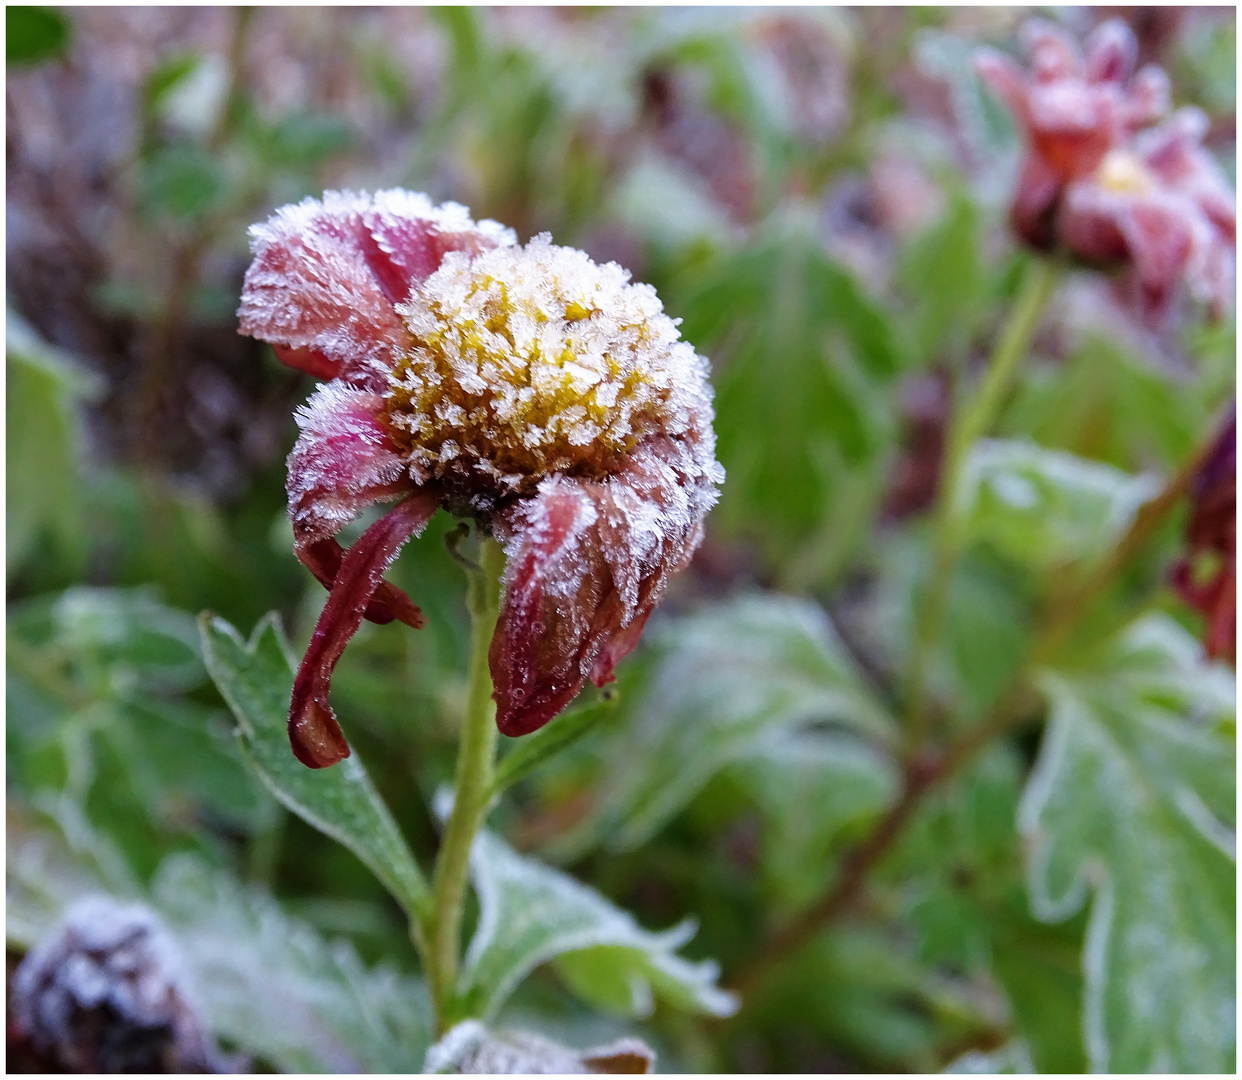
(1131, 804)
(33, 34)
(43, 497)
(846, 781)
(276, 989)
(183, 182)
(534, 750)
(1043, 508)
(803, 361)
(166, 77)
(256, 679)
(725, 678)
(530, 914)
(943, 273)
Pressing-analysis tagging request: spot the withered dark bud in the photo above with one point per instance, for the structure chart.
(105, 993)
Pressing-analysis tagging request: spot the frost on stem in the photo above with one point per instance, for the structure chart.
(545, 396)
(1102, 184)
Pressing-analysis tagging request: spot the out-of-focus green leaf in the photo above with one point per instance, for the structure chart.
(530, 914)
(170, 74)
(1132, 804)
(33, 33)
(726, 677)
(844, 780)
(276, 989)
(943, 274)
(43, 500)
(303, 140)
(1105, 403)
(534, 750)
(256, 679)
(803, 362)
(1044, 508)
(183, 182)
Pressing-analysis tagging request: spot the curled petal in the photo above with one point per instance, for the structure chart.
(587, 561)
(326, 276)
(314, 734)
(343, 461)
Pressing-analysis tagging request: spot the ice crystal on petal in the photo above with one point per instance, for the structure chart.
(326, 275)
(528, 362)
(545, 395)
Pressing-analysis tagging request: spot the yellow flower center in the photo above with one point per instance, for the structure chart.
(1123, 173)
(530, 361)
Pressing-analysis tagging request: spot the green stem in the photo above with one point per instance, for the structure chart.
(475, 767)
(973, 420)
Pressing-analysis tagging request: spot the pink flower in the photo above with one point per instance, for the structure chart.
(1101, 185)
(528, 388)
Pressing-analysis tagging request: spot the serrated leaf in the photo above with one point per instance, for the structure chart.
(531, 914)
(1045, 508)
(725, 678)
(846, 781)
(275, 988)
(1131, 805)
(256, 679)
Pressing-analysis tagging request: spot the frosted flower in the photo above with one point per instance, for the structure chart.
(527, 387)
(1099, 186)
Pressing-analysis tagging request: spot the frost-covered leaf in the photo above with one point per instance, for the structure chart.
(1008, 1060)
(1130, 808)
(267, 983)
(725, 677)
(1045, 508)
(275, 988)
(531, 914)
(845, 780)
(256, 678)
(470, 1048)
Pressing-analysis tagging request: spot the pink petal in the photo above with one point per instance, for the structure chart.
(344, 461)
(326, 276)
(314, 734)
(587, 562)
(1111, 51)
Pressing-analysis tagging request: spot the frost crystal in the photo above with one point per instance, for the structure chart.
(528, 387)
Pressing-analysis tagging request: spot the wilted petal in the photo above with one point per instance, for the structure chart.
(314, 734)
(343, 461)
(326, 276)
(587, 561)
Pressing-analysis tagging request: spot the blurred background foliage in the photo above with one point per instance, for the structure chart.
(819, 195)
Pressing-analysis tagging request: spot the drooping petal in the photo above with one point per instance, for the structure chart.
(326, 276)
(587, 561)
(343, 461)
(314, 734)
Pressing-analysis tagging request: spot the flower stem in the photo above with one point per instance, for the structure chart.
(973, 420)
(475, 762)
